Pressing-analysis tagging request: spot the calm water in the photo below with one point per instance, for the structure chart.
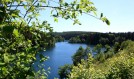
(59, 56)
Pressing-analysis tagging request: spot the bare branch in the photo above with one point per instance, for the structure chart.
(18, 6)
(29, 21)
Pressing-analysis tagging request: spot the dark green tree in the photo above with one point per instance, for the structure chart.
(64, 71)
(97, 48)
(78, 55)
(116, 47)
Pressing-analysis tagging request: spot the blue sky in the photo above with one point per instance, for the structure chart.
(119, 12)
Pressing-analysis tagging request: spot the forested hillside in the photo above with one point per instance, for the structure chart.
(118, 66)
(108, 64)
(94, 38)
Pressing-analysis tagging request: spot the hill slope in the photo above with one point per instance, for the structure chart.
(120, 66)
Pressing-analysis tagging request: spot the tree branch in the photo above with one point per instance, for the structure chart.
(28, 10)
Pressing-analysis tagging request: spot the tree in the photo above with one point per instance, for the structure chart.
(20, 33)
(107, 47)
(87, 51)
(116, 47)
(97, 48)
(86, 70)
(78, 56)
(59, 38)
(120, 66)
(64, 71)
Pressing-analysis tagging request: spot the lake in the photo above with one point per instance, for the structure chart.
(60, 55)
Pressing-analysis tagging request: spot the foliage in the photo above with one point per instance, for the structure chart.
(59, 38)
(116, 47)
(119, 66)
(78, 56)
(123, 69)
(94, 38)
(18, 49)
(75, 40)
(22, 35)
(102, 53)
(86, 70)
(64, 71)
(97, 48)
(81, 53)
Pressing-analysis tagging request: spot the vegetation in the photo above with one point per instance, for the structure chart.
(59, 38)
(94, 38)
(76, 40)
(106, 64)
(80, 54)
(64, 71)
(22, 35)
(20, 42)
(119, 66)
(102, 38)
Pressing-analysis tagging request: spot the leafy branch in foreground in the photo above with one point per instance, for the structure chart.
(63, 9)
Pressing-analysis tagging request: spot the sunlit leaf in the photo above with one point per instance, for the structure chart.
(6, 59)
(107, 22)
(55, 19)
(16, 33)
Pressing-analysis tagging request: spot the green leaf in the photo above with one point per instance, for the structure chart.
(8, 29)
(26, 68)
(39, 35)
(18, 64)
(6, 59)
(22, 54)
(107, 22)
(101, 15)
(11, 57)
(66, 4)
(42, 58)
(5, 70)
(77, 7)
(16, 33)
(14, 15)
(1, 11)
(55, 19)
(25, 7)
(1, 64)
(95, 13)
(80, 11)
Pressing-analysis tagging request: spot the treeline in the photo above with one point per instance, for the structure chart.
(58, 38)
(95, 38)
(107, 64)
(69, 34)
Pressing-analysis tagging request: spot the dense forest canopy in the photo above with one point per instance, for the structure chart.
(94, 38)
